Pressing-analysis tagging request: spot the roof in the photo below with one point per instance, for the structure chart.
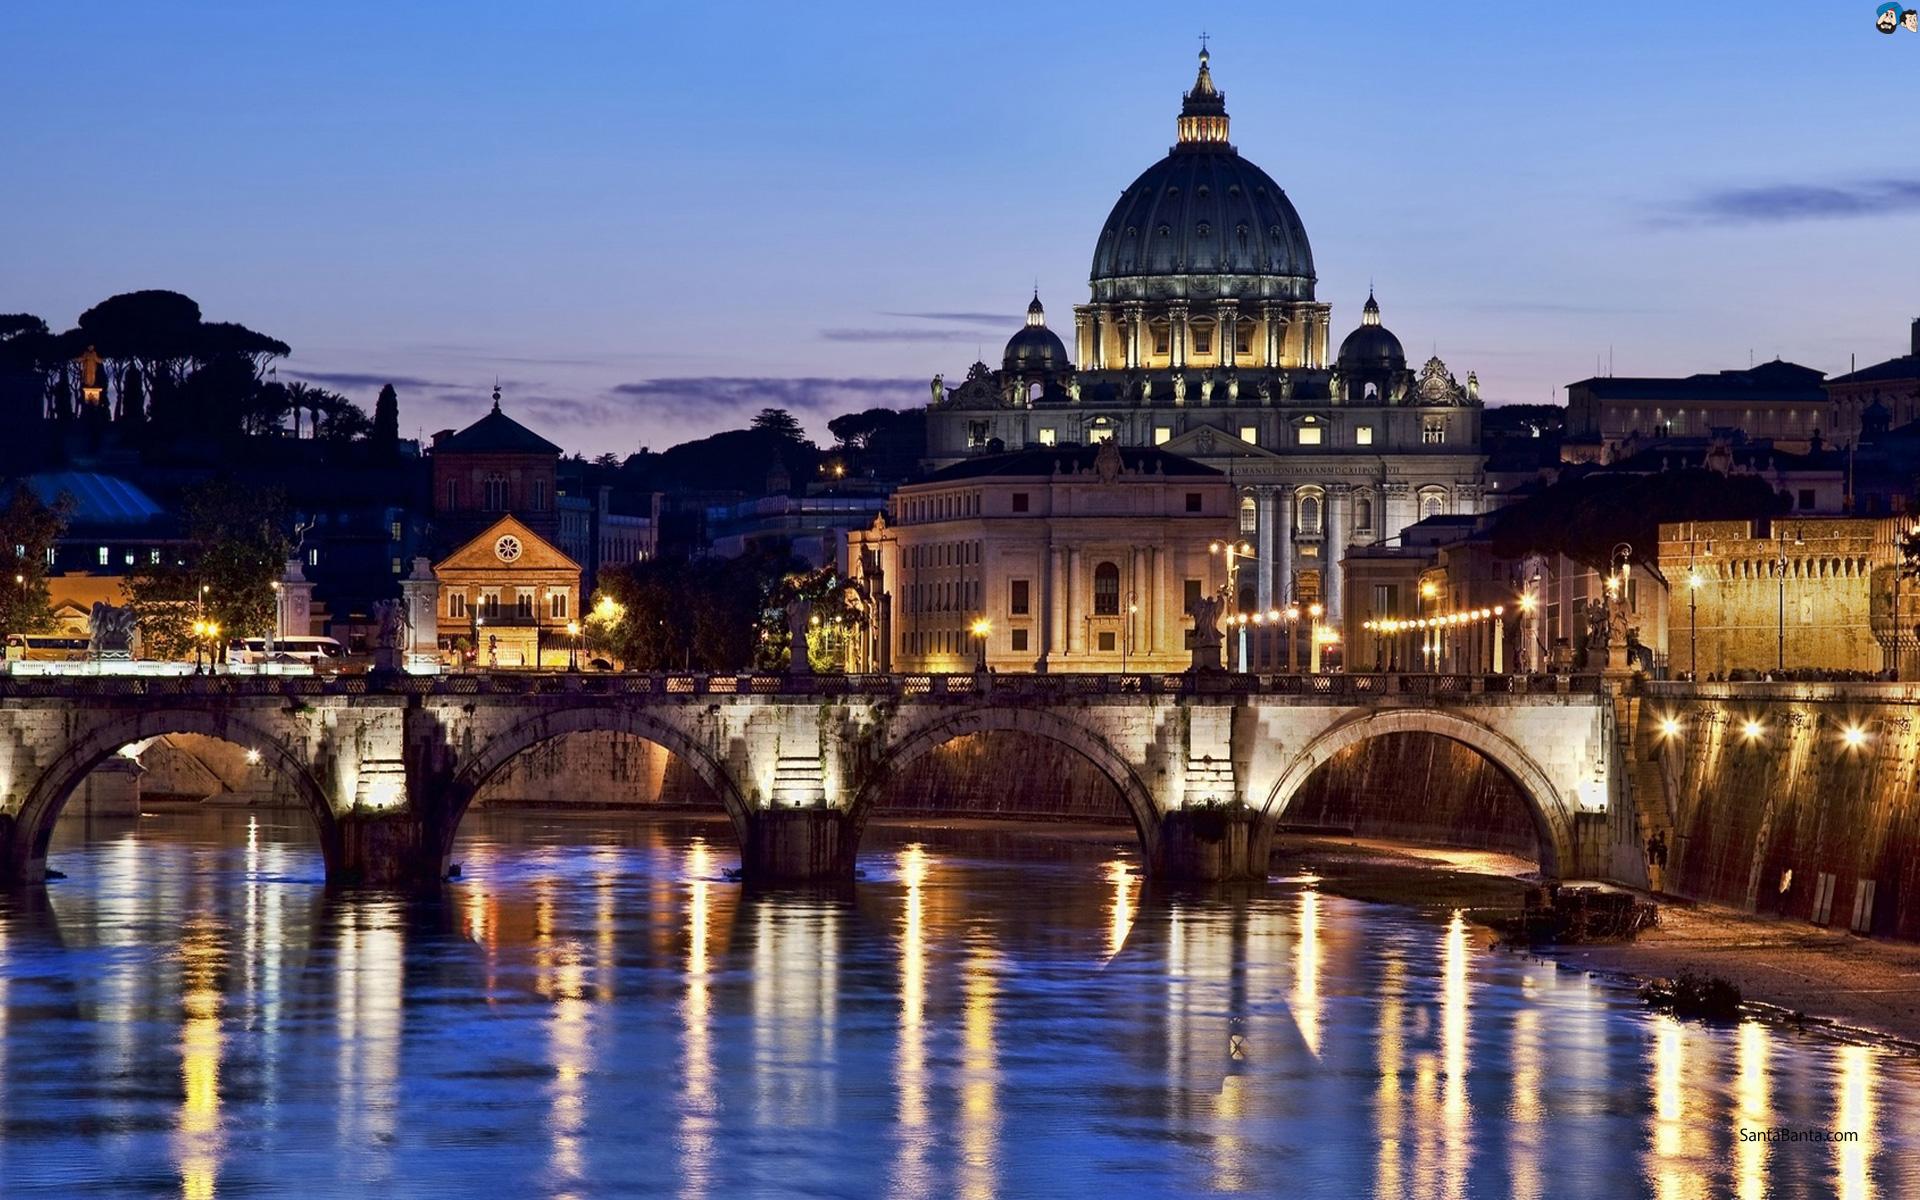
(1776, 380)
(1046, 461)
(496, 433)
(98, 499)
(1907, 366)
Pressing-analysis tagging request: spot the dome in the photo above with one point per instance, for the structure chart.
(1372, 346)
(1035, 347)
(1202, 211)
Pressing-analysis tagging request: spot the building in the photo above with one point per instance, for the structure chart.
(1062, 559)
(595, 532)
(507, 598)
(810, 527)
(1203, 337)
(1815, 594)
(1893, 386)
(1610, 417)
(114, 529)
(495, 465)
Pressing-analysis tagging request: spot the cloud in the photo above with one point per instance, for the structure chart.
(900, 335)
(358, 379)
(997, 320)
(726, 402)
(1784, 202)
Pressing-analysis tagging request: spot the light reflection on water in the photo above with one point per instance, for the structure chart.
(594, 1009)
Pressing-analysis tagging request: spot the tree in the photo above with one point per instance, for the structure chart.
(240, 532)
(385, 436)
(341, 420)
(28, 528)
(703, 615)
(780, 423)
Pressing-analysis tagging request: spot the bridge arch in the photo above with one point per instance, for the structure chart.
(919, 740)
(1550, 811)
(26, 850)
(517, 739)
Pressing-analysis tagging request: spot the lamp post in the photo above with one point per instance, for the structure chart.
(573, 650)
(1313, 641)
(1693, 625)
(1235, 553)
(1126, 634)
(981, 629)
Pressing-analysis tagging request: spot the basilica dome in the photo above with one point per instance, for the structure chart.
(1035, 347)
(1372, 345)
(1203, 222)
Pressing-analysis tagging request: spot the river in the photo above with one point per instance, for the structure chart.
(594, 1009)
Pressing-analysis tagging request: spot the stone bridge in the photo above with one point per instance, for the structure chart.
(1207, 764)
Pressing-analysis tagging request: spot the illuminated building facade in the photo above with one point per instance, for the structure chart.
(1203, 337)
(1063, 559)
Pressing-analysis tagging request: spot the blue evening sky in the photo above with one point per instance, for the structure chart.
(649, 221)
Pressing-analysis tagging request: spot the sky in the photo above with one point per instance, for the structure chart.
(649, 221)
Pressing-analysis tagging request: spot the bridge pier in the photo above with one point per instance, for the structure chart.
(797, 845)
(1212, 843)
(392, 849)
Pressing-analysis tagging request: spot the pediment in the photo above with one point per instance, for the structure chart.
(534, 553)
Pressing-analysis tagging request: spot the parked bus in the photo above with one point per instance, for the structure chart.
(44, 647)
(320, 653)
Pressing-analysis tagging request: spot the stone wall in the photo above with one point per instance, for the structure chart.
(597, 770)
(1417, 787)
(1005, 775)
(1771, 818)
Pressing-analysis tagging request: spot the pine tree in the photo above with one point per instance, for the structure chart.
(385, 438)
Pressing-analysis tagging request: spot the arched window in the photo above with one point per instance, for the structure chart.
(1249, 517)
(1106, 590)
(1309, 514)
(494, 493)
(1432, 504)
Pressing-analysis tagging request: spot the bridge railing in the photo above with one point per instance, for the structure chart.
(1864, 690)
(1358, 687)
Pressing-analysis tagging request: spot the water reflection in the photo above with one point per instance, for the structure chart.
(596, 1010)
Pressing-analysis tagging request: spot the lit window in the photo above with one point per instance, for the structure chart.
(396, 566)
(153, 557)
(1309, 435)
(106, 556)
(1046, 437)
(313, 557)
(393, 531)
(128, 558)
(1363, 436)
(1433, 431)
(1162, 434)
(1249, 516)
(1251, 435)
(456, 604)
(1097, 435)
(557, 605)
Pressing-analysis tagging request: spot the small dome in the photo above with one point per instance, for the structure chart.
(1372, 346)
(1035, 347)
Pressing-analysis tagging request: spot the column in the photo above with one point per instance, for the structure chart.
(1226, 318)
(1273, 325)
(1150, 603)
(1132, 318)
(1263, 542)
(1076, 628)
(1177, 334)
(1339, 495)
(1055, 624)
(1283, 547)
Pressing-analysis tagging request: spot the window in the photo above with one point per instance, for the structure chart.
(493, 492)
(1190, 594)
(1243, 332)
(1106, 641)
(1020, 598)
(1193, 502)
(1249, 516)
(128, 556)
(1363, 436)
(1363, 514)
(557, 604)
(1098, 434)
(539, 495)
(1433, 431)
(393, 531)
(153, 557)
(106, 556)
(1020, 501)
(1806, 498)
(453, 494)
(396, 566)
(1309, 435)
(1106, 590)
(313, 557)
(523, 604)
(1430, 504)
(1161, 344)
(1203, 339)
(1309, 514)
(1019, 639)
(1386, 599)
(1047, 436)
(1250, 434)
(456, 604)
(1162, 434)
(976, 433)
(490, 605)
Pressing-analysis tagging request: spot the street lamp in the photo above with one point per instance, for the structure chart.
(573, 651)
(1313, 641)
(980, 629)
(1235, 553)
(1126, 635)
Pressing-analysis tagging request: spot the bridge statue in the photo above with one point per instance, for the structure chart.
(390, 634)
(1206, 632)
(110, 629)
(799, 617)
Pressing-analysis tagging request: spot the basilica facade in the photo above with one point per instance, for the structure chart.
(1203, 337)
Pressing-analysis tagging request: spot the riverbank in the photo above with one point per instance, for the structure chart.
(1819, 977)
